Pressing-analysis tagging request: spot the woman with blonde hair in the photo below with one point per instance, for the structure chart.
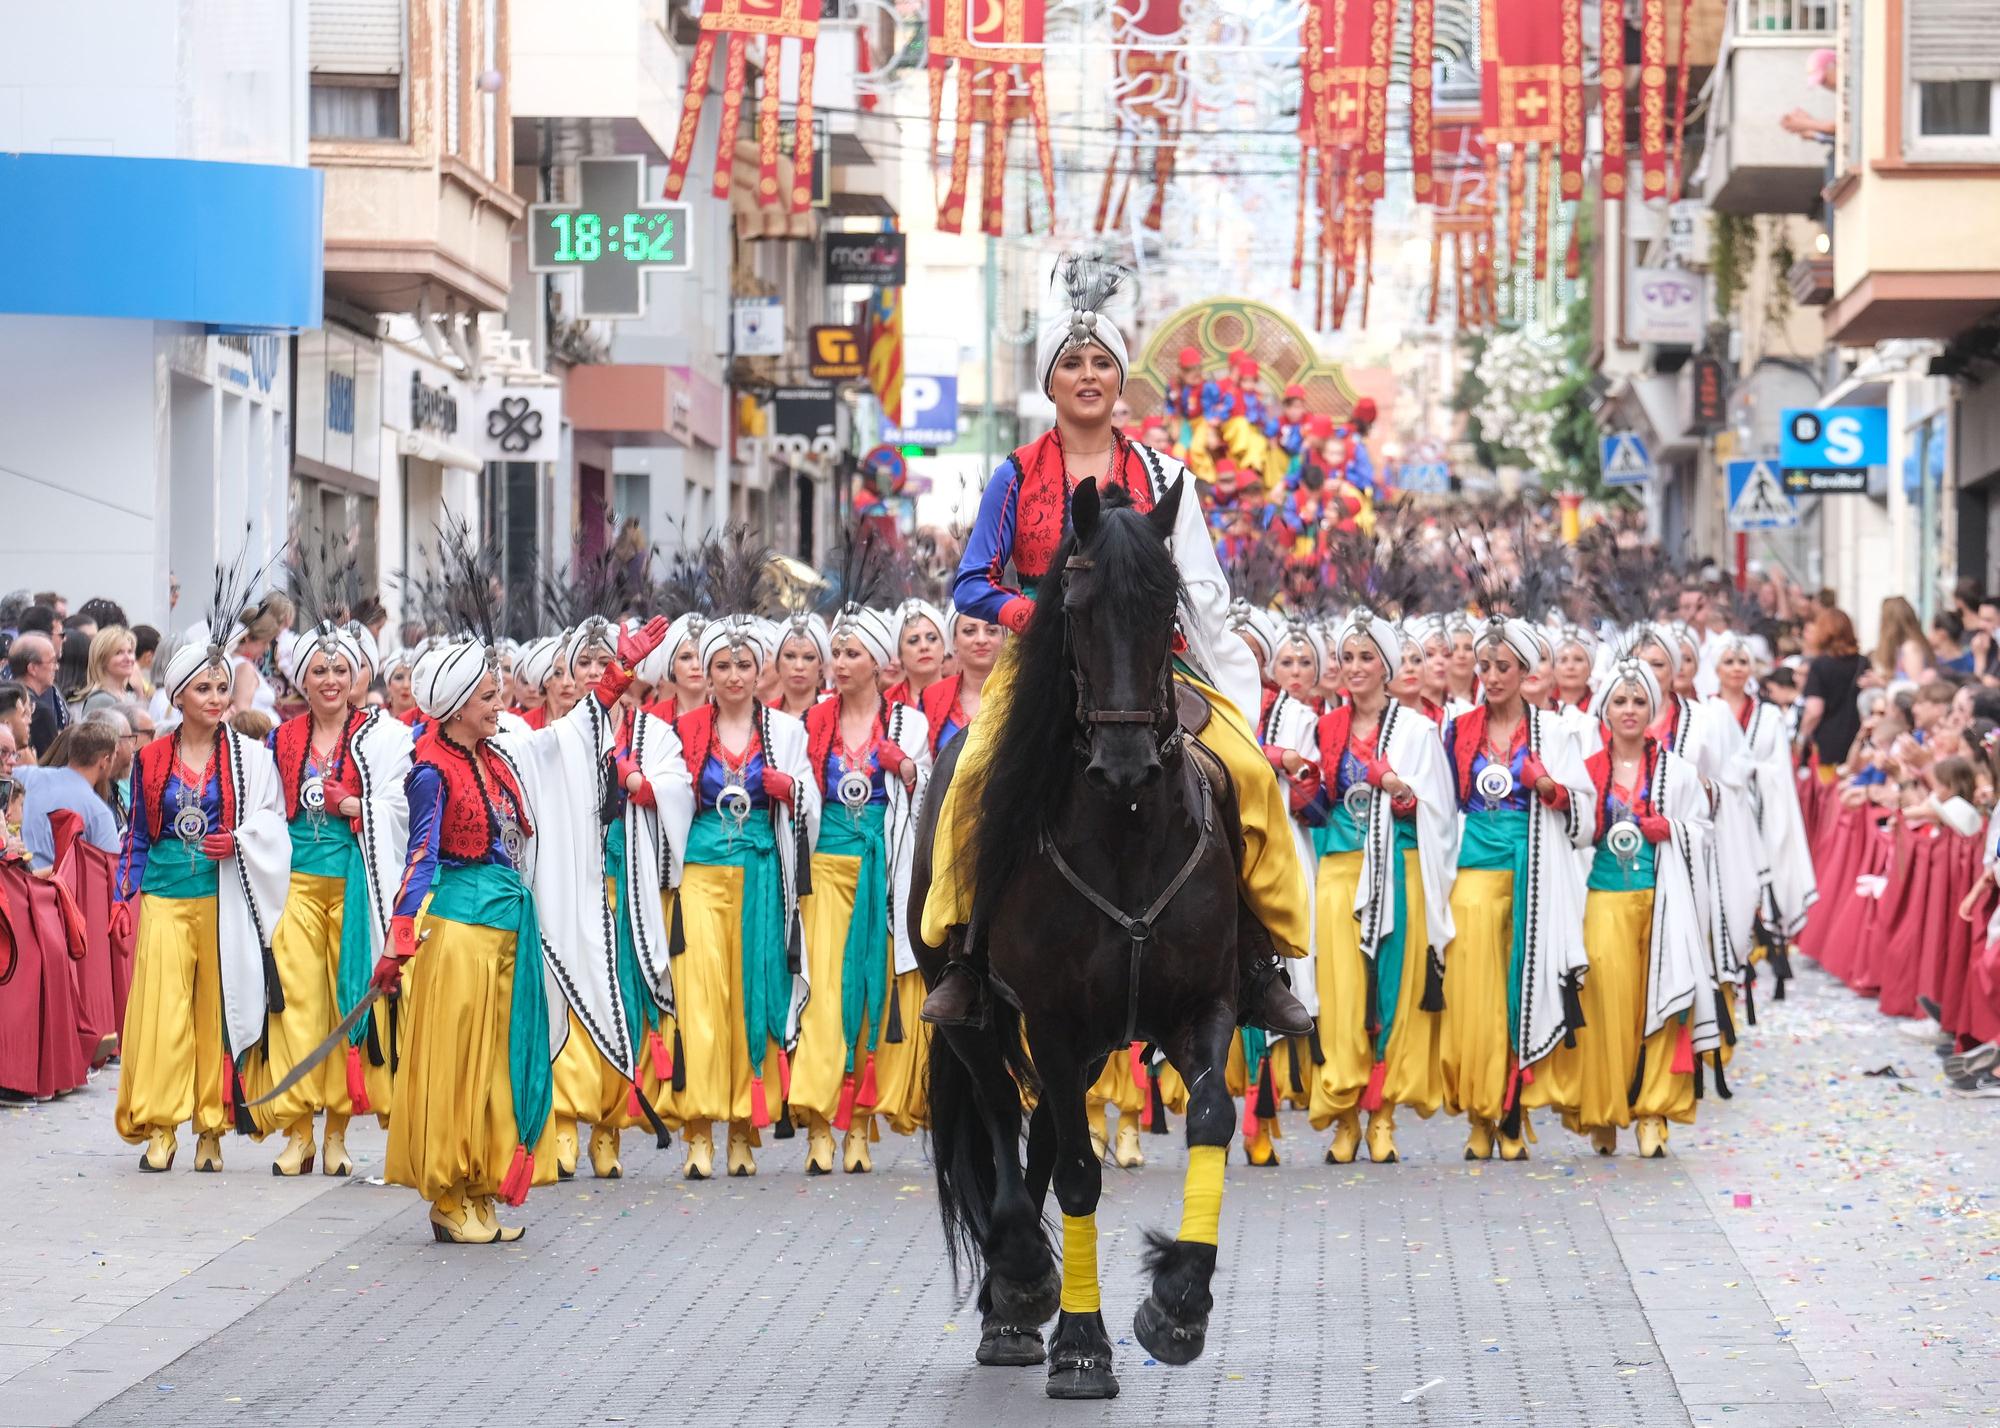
(113, 677)
(1901, 651)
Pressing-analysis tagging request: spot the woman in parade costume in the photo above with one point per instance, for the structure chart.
(1649, 1003)
(1576, 657)
(341, 773)
(674, 672)
(1080, 358)
(920, 651)
(612, 801)
(1462, 690)
(1385, 835)
(1407, 686)
(401, 703)
(805, 658)
(1790, 888)
(859, 1038)
(740, 968)
(202, 877)
(535, 671)
(952, 703)
(1512, 971)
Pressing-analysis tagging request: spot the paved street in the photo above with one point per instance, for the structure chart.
(1819, 1252)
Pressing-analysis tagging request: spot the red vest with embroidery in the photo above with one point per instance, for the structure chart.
(940, 705)
(1468, 739)
(292, 745)
(1041, 498)
(465, 832)
(156, 765)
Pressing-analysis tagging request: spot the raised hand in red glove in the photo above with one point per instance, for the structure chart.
(635, 645)
(218, 845)
(895, 762)
(633, 782)
(1654, 829)
(121, 920)
(777, 785)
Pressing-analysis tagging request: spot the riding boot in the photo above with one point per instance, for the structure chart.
(958, 999)
(1267, 998)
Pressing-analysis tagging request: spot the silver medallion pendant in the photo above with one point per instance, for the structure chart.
(733, 805)
(1359, 800)
(190, 821)
(1625, 840)
(856, 788)
(512, 842)
(1495, 783)
(312, 795)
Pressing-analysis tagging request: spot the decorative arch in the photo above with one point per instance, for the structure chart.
(1284, 353)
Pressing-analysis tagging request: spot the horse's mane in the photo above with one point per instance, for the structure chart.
(1029, 771)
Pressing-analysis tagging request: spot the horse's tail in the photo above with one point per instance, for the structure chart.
(961, 1140)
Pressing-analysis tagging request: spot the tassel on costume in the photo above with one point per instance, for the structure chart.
(274, 985)
(1267, 1096)
(1433, 1000)
(1156, 1106)
(1724, 1019)
(865, 1095)
(1136, 1062)
(1683, 1063)
(782, 1128)
(663, 1065)
(1573, 1022)
(784, 1076)
(1371, 1098)
(520, 1175)
(1249, 1117)
(894, 1033)
(1317, 1051)
(632, 1100)
(760, 1110)
(1750, 996)
(244, 1124)
(677, 941)
(679, 1063)
(1298, 1076)
(1638, 1078)
(1721, 1082)
(357, 1083)
(843, 1110)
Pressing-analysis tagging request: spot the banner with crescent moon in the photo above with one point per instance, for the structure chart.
(738, 22)
(1531, 95)
(1149, 97)
(997, 46)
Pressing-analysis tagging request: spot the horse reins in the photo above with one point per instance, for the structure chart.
(1140, 929)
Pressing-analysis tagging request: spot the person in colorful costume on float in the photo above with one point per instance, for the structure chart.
(1081, 360)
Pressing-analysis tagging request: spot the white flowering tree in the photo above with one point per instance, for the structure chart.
(1521, 371)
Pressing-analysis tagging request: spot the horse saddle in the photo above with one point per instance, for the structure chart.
(1192, 709)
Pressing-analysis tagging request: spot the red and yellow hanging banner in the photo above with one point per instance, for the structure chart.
(1531, 93)
(1653, 98)
(1611, 81)
(1462, 207)
(1151, 91)
(1343, 138)
(738, 22)
(997, 46)
(1423, 33)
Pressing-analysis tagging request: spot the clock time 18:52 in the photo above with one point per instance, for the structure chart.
(585, 237)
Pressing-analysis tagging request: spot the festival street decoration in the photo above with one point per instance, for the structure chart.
(1149, 100)
(997, 47)
(1343, 131)
(1531, 98)
(740, 21)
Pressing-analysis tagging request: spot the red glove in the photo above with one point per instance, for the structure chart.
(635, 645)
(218, 845)
(894, 761)
(624, 769)
(402, 938)
(777, 785)
(1532, 770)
(1016, 613)
(612, 684)
(388, 975)
(121, 920)
(1377, 770)
(1655, 829)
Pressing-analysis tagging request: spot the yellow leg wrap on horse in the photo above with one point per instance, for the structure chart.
(1079, 1281)
(1201, 1194)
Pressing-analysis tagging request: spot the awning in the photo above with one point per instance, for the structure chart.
(429, 448)
(860, 205)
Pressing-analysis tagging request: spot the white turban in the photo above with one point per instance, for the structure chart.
(361, 646)
(447, 676)
(804, 625)
(195, 653)
(1647, 633)
(657, 668)
(594, 632)
(536, 661)
(1639, 675)
(324, 638)
(1074, 328)
(914, 609)
(1518, 636)
(733, 632)
(1298, 632)
(1365, 623)
(873, 629)
(1260, 625)
(1571, 634)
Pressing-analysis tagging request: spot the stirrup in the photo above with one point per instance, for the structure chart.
(949, 1004)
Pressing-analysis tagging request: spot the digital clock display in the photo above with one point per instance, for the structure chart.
(580, 237)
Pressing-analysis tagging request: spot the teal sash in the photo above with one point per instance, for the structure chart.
(321, 845)
(1497, 840)
(1607, 874)
(1339, 834)
(176, 870)
(640, 1014)
(493, 895)
(767, 977)
(864, 962)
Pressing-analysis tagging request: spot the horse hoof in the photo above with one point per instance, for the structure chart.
(1011, 1346)
(1027, 1302)
(1082, 1378)
(1168, 1341)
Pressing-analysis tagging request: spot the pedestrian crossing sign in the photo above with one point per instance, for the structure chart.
(1758, 500)
(1623, 460)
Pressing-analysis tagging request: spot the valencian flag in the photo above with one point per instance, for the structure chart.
(1151, 92)
(885, 352)
(1343, 132)
(997, 45)
(738, 21)
(1531, 97)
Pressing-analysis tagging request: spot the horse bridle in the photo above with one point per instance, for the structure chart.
(1088, 715)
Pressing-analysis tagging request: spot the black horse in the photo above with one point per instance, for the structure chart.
(1104, 858)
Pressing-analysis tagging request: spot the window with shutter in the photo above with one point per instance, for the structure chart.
(356, 52)
(1952, 60)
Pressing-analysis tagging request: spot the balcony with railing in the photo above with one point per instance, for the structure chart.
(1754, 163)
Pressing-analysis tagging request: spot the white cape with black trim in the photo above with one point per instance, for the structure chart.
(251, 885)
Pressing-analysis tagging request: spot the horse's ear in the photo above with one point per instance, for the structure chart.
(1084, 510)
(1168, 510)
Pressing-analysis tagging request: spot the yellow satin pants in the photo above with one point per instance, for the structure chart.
(171, 1058)
(451, 1127)
(1273, 883)
(1475, 1042)
(1594, 1081)
(305, 945)
(708, 994)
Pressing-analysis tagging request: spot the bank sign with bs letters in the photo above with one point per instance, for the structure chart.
(1827, 451)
